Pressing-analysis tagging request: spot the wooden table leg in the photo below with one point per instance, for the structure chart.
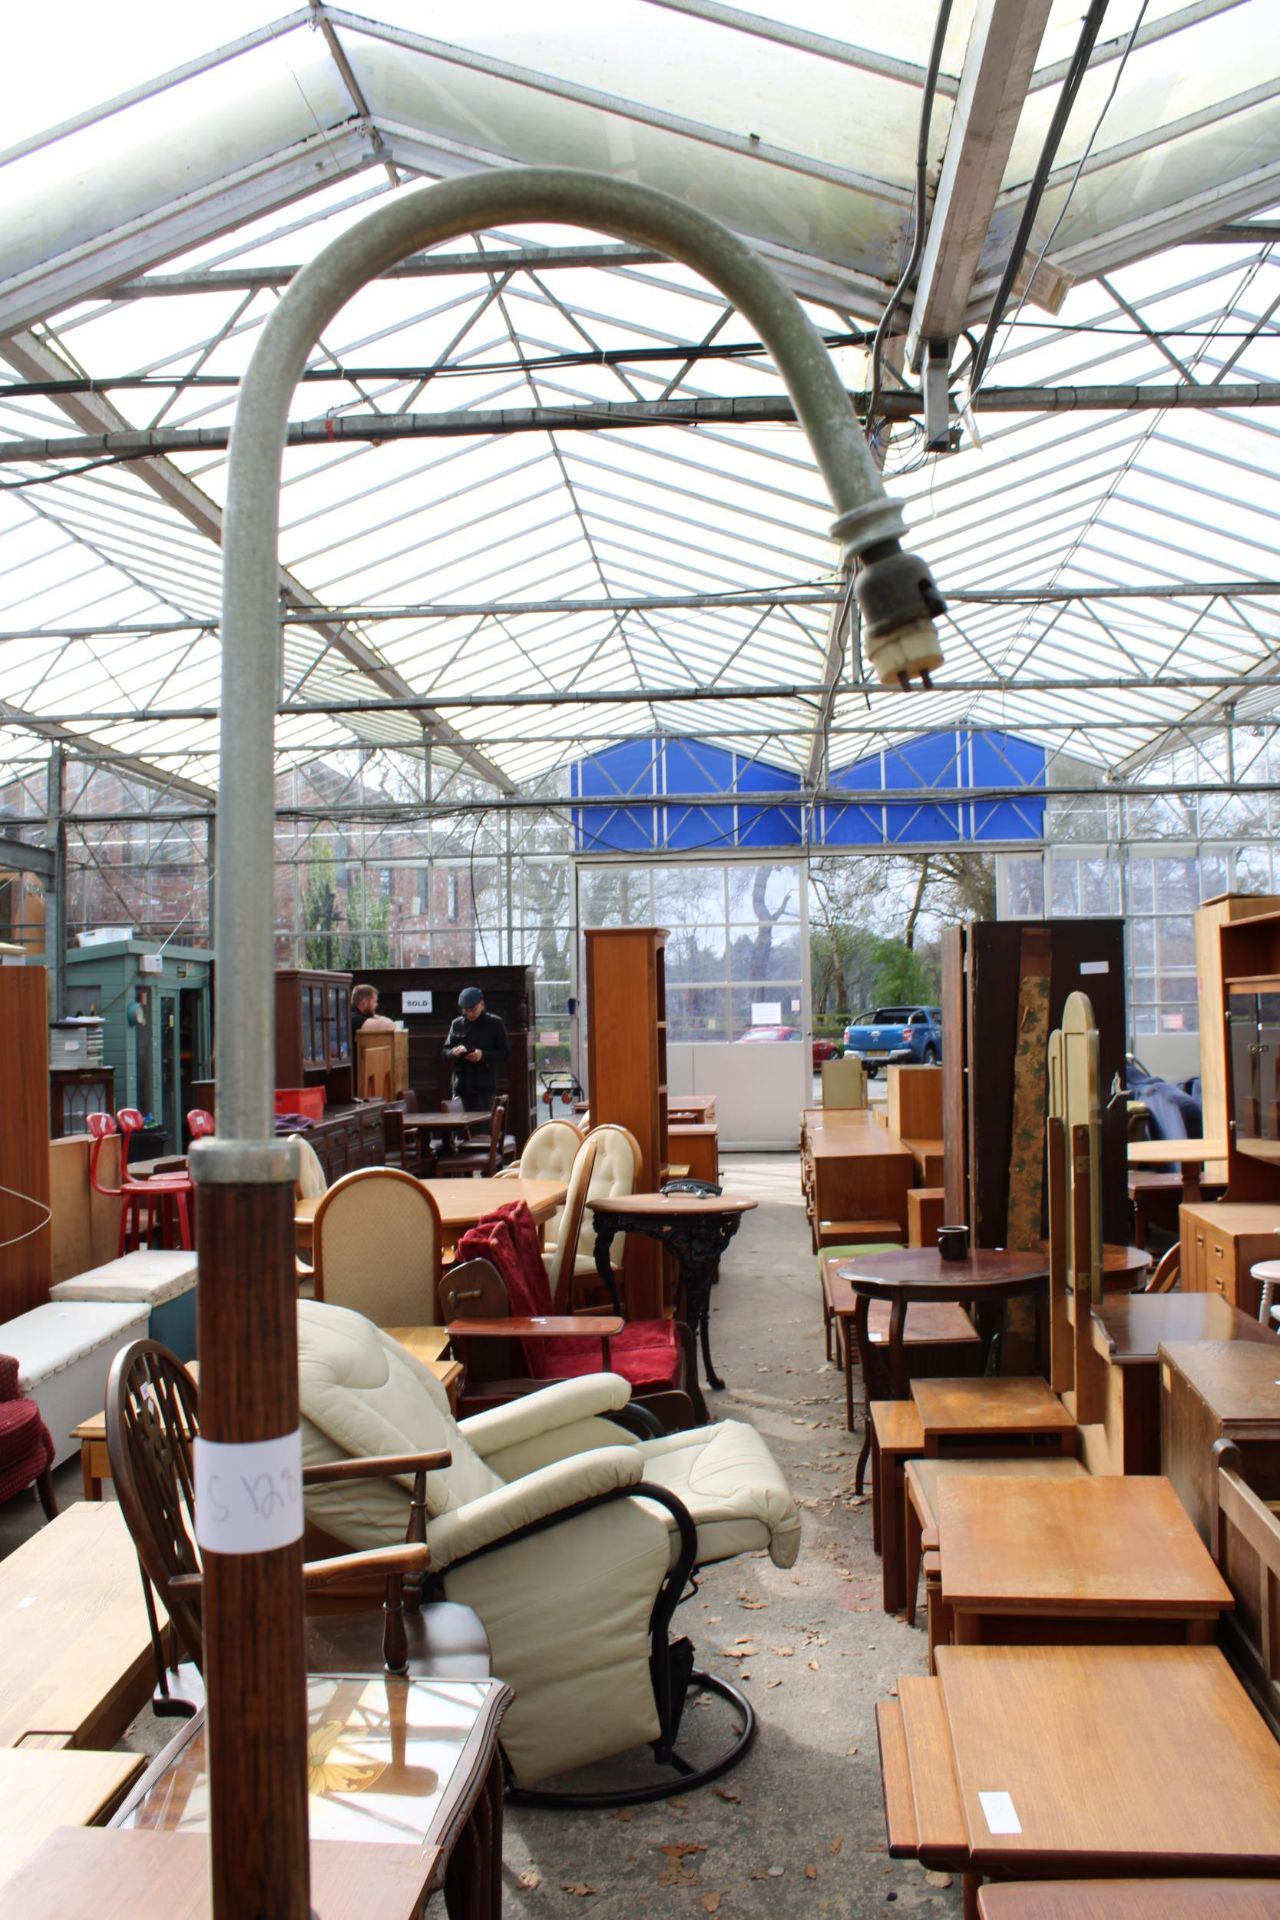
(890, 1534)
(897, 1348)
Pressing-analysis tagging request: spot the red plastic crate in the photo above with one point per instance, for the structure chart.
(308, 1100)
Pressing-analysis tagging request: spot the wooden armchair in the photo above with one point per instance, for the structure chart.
(152, 1423)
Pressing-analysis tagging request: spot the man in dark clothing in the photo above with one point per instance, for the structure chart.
(477, 1042)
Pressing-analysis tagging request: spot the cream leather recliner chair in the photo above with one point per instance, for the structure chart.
(572, 1539)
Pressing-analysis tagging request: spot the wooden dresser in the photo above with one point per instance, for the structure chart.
(1219, 1391)
(1221, 1241)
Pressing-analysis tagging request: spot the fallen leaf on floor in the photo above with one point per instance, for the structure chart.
(681, 1804)
(848, 1751)
(813, 1666)
(723, 1793)
(625, 1813)
(939, 1879)
(743, 1640)
(678, 1848)
(776, 1873)
(753, 1606)
(773, 1683)
(838, 1842)
(528, 1880)
(710, 1902)
(811, 1873)
(578, 1887)
(783, 1653)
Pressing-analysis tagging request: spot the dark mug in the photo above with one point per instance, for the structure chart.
(953, 1243)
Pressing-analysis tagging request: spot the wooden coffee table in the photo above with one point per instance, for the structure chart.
(985, 1279)
(1027, 1558)
(42, 1788)
(1132, 1900)
(1093, 1760)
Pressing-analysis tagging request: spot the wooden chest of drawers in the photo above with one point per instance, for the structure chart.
(1221, 1241)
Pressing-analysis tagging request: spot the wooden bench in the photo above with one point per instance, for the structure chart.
(77, 1650)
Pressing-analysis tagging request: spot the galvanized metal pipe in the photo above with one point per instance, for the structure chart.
(865, 515)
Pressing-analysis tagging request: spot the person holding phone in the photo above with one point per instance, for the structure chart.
(476, 1042)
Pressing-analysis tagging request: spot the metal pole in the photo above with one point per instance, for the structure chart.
(256, 1728)
(55, 925)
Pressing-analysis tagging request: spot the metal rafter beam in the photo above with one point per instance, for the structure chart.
(37, 359)
(423, 266)
(998, 65)
(123, 441)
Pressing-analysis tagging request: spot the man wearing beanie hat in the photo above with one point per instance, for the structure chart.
(477, 1041)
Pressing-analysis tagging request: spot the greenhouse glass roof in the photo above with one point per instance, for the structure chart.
(543, 492)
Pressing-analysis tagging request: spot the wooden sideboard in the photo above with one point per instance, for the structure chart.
(1219, 1391)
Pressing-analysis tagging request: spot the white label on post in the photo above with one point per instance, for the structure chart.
(998, 1811)
(1095, 966)
(415, 1000)
(249, 1496)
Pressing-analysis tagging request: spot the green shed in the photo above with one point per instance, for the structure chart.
(155, 1002)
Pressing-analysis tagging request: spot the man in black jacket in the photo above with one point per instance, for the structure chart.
(477, 1042)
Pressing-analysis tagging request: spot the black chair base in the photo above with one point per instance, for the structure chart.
(684, 1777)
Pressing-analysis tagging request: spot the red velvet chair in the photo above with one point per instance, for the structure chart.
(148, 1206)
(656, 1356)
(26, 1446)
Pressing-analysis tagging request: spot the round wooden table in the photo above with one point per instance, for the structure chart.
(695, 1227)
(983, 1280)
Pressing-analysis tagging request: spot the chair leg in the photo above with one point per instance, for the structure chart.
(48, 1498)
(184, 1221)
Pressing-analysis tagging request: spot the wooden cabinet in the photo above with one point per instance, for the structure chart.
(1221, 1241)
(349, 1138)
(626, 993)
(982, 968)
(426, 999)
(1215, 1391)
(76, 1092)
(382, 1064)
(26, 1257)
(313, 1032)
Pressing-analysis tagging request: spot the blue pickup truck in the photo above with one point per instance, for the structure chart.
(898, 1036)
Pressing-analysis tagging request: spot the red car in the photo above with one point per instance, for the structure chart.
(822, 1049)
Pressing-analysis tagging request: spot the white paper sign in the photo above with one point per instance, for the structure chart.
(249, 1496)
(766, 1013)
(998, 1811)
(550, 1039)
(1095, 966)
(415, 1000)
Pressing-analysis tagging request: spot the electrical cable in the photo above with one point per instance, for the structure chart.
(1057, 127)
(922, 183)
(30, 1201)
(1075, 178)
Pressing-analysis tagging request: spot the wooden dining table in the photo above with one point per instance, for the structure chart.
(1190, 1155)
(461, 1202)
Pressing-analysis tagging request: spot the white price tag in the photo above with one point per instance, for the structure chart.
(249, 1496)
(998, 1811)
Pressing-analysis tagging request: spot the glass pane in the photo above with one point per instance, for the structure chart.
(748, 1002)
(765, 953)
(1142, 943)
(615, 897)
(696, 953)
(696, 1013)
(688, 896)
(764, 892)
(1177, 941)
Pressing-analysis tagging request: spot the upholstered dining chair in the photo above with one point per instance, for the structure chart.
(375, 1246)
(548, 1155)
(573, 1540)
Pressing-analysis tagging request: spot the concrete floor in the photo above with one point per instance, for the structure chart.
(798, 1827)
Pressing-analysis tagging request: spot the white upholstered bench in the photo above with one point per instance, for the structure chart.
(161, 1279)
(64, 1353)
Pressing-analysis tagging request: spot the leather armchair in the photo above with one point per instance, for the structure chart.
(572, 1539)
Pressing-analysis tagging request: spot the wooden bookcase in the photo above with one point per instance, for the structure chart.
(1250, 951)
(1222, 911)
(26, 1258)
(626, 995)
